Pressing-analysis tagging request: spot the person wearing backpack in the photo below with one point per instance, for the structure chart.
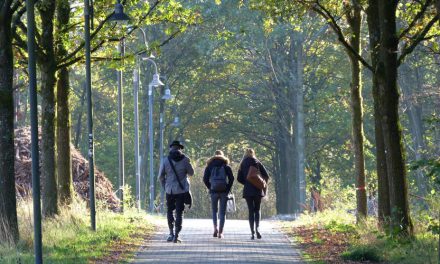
(174, 173)
(251, 193)
(218, 178)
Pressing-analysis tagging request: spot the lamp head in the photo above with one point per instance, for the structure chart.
(119, 15)
(167, 95)
(156, 80)
(176, 121)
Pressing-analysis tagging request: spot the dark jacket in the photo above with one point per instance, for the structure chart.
(249, 190)
(218, 161)
(183, 167)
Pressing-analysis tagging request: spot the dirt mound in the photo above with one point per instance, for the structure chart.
(80, 170)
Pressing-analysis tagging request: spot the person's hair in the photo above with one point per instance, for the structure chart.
(219, 153)
(248, 153)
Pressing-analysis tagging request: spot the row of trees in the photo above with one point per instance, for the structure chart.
(388, 48)
(273, 75)
(59, 47)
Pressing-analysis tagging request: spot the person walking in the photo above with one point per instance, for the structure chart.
(251, 193)
(174, 174)
(218, 178)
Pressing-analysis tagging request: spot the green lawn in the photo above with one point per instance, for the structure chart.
(67, 238)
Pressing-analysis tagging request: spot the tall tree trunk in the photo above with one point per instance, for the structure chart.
(277, 173)
(388, 91)
(384, 210)
(297, 112)
(300, 126)
(354, 20)
(64, 159)
(47, 65)
(8, 203)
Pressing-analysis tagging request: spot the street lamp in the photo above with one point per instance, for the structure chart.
(166, 95)
(156, 82)
(136, 84)
(34, 130)
(121, 129)
(89, 114)
(120, 16)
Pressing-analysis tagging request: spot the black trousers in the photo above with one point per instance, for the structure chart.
(254, 205)
(175, 202)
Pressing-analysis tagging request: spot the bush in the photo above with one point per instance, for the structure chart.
(366, 253)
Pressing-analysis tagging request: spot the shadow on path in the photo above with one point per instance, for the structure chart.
(200, 247)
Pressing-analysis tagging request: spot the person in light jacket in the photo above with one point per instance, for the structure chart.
(174, 193)
(251, 194)
(218, 164)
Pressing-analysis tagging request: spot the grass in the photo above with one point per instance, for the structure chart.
(333, 236)
(67, 238)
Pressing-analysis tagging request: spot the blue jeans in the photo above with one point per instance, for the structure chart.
(215, 198)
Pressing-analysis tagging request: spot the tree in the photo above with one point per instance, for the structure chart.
(64, 160)
(8, 211)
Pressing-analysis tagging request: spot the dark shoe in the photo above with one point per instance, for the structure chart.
(252, 237)
(170, 238)
(220, 235)
(258, 235)
(177, 239)
(215, 233)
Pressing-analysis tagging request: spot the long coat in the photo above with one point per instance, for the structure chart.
(183, 167)
(250, 190)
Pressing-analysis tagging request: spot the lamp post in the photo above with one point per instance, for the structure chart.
(136, 83)
(120, 16)
(166, 95)
(156, 82)
(34, 130)
(89, 114)
(136, 134)
(121, 129)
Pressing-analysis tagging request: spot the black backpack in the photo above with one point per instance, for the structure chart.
(218, 179)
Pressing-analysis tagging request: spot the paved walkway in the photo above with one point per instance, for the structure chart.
(236, 247)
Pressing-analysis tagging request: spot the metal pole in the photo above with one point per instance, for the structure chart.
(136, 134)
(34, 130)
(161, 152)
(89, 115)
(121, 130)
(151, 138)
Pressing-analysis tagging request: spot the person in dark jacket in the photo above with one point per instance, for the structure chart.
(251, 194)
(173, 190)
(219, 165)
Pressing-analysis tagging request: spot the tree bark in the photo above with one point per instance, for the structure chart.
(384, 210)
(388, 91)
(47, 65)
(64, 159)
(354, 20)
(8, 203)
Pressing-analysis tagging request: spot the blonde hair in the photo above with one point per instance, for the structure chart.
(248, 153)
(219, 153)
